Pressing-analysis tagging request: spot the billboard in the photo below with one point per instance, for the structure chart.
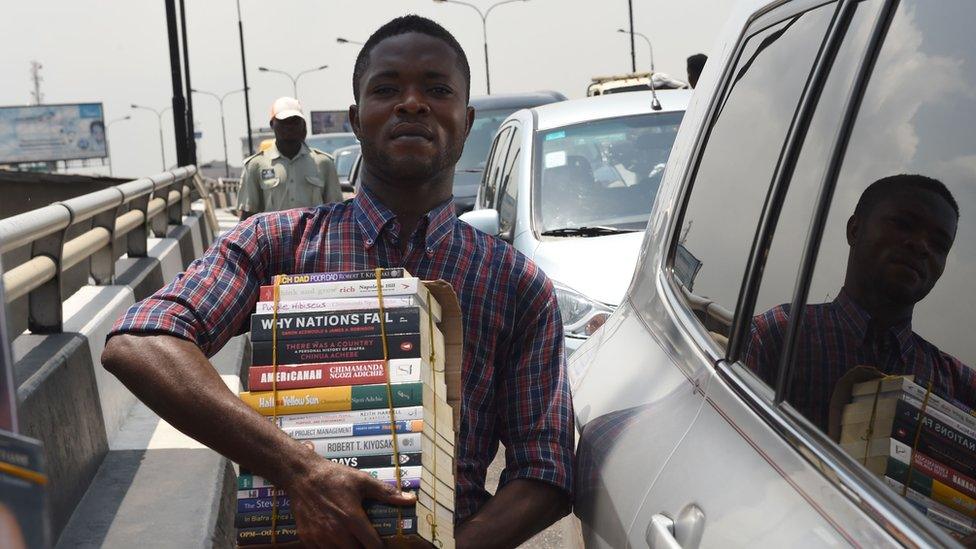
(40, 133)
(330, 121)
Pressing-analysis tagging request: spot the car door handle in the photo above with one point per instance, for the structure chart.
(685, 532)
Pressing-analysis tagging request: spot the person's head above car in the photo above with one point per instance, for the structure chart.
(288, 123)
(900, 234)
(411, 84)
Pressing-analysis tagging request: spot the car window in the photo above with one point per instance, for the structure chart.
(785, 252)
(602, 173)
(486, 123)
(894, 285)
(509, 184)
(494, 167)
(734, 171)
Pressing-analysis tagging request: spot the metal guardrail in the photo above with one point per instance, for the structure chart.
(153, 204)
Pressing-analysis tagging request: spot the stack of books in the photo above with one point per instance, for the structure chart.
(924, 447)
(326, 336)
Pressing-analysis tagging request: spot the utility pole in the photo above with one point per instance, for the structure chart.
(36, 96)
(190, 127)
(179, 104)
(247, 96)
(633, 54)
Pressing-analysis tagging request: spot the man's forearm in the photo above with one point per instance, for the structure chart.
(518, 511)
(175, 379)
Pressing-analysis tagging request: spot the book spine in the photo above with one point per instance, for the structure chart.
(335, 304)
(407, 483)
(356, 288)
(941, 519)
(931, 488)
(315, 351)
(388, 526)
(936, 414)
(354, 429)
(259, 378)
(345, 276)
(336, 324)
(407, 413)
(957, 412)
(262, 535)
(247, 481)
(366, 446)
(262, 518)
(936, 439)
(915, 497)
(333, 399)
(932, 468)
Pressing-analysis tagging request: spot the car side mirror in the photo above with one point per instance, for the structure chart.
(485, 220)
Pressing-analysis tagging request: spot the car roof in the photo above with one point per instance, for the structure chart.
(515, 100)
(347, 148)
(613, 105)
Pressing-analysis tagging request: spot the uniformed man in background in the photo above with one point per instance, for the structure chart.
(289, 174)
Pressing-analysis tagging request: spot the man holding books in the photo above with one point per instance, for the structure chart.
(900, 234)
(411, 83)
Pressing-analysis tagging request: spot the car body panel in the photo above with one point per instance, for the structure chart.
(598, 267)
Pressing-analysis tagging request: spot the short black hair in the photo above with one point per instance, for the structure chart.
(404, 25)
(884, 187)
(96, 123)
(696, 63)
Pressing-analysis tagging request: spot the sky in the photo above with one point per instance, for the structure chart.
(116, 52)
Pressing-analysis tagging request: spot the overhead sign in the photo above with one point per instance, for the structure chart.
(330, 122)
(42, 133)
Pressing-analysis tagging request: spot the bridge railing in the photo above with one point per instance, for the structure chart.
(132, 210)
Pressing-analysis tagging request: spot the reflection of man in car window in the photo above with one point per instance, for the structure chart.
(899, 236)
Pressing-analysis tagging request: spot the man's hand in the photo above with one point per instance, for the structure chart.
(327, 501)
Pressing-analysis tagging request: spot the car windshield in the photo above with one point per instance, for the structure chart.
(331, 143)
(602, 174)
(478, 144)
(344, 162)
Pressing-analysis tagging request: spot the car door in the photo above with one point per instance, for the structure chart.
(757, 467)
(496, 161)
(506, 199)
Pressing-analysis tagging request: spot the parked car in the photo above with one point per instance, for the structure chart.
(703, 405)
(345, 158)
(571, 185)
(489, 112)
(329, 142)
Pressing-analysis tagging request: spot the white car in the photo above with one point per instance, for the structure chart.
(571, 185)
(805, 228)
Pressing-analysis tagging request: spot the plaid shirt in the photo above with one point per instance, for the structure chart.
(514, 385)
(838, 336)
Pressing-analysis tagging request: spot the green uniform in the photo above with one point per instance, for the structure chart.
(272, 182)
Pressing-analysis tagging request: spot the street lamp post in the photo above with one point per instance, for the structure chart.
(108, 146)
(650, 48)
(294, 79)
(484, 28)
(342, 40)
(159, 114)
(223, 127)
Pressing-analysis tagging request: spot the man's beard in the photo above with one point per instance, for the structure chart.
(410, 168)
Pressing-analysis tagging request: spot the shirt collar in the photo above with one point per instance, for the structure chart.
(858, 320)
(373, 216)
(274, 153)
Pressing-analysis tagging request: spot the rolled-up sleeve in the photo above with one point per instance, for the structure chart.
(210, 302)
(535, 405)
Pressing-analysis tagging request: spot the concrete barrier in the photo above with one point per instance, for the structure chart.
(112, 463)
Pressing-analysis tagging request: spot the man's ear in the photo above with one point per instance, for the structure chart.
(469, 122)
(852, 228)
(354, 120)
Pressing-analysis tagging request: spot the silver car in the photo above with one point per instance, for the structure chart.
(820, 168)
(571, 185)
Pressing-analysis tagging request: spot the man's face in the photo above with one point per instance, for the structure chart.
(900, 248)
(289, 129)
(412, 116)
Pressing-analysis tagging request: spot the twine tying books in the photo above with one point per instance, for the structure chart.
(869, 434)
(431, 517)
(389, 397)
(274, 398)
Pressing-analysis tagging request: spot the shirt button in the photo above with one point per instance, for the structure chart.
(430, 251)
(369, 241)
